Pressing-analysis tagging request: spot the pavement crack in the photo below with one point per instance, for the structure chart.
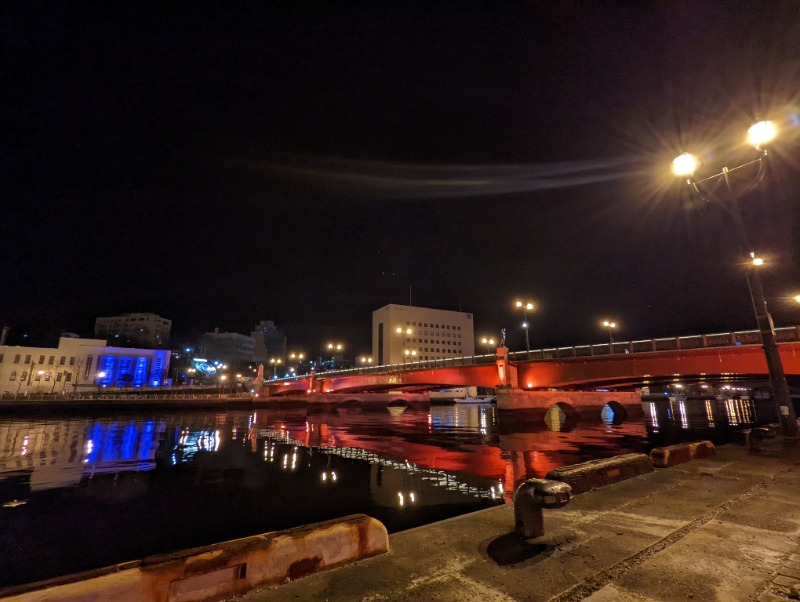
(592, 584)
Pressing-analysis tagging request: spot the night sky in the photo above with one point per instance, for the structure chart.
(224, 163)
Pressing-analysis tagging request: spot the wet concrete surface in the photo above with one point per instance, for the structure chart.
(717, 529)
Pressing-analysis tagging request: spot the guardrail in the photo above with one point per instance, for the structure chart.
(785, 334)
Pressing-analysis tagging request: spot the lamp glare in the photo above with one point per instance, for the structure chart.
(684, 165)
(762, 132)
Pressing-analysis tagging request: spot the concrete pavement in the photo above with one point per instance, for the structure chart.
(716, 529)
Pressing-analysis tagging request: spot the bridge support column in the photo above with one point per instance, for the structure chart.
(506, 373)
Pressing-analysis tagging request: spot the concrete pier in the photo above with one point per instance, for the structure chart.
(725, 527)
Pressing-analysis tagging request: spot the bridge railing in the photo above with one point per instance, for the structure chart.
(784, 334)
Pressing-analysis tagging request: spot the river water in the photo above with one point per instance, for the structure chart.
(81, 492)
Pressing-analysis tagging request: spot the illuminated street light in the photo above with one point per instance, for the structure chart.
(684, 165)
(797, 298)
(720, 189)
(525, 306)
(334, 348)
(100, 376)
(610, 326)
(275, 363)
(365, 359)
(404, 332)
(761, 133)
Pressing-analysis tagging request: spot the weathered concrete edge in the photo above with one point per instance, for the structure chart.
(220, 570)
(671, 455)
(587, 476)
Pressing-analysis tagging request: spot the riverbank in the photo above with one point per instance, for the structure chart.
(720, 528)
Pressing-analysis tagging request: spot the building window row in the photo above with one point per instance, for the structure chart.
(439, 326)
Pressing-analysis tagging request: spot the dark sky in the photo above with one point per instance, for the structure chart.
(223, 163)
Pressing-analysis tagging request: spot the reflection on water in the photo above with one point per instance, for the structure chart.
(79, 493)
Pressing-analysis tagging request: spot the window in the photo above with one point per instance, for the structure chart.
(51, 360)
(27, 359)
(63, 360)
(1, 358)
(16, 359)
(41, 359)
(13, 375)
(24, 375)
(67, 376)
(38, 378)
(72, 361)
(47, 377)
(58, 377)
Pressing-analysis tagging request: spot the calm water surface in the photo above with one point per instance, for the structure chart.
(84, 492)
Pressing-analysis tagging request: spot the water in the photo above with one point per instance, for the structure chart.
(80, 492)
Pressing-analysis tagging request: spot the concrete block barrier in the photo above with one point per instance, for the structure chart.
(219, 570)
(598, 473)
(664, 457)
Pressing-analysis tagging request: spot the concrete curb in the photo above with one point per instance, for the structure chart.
(664, 457)
(220, 570)
(594, 474)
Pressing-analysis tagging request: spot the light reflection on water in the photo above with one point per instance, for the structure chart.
(123, 487)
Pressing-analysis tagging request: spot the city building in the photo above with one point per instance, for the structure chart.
(231, 348)
(143, 330)
(79, 365)
(269, 341)
(424, 334)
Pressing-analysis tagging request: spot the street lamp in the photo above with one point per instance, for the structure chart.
(610, 326)
(98, 377)
(488, 342)
(404, 332)
(275, 363)
(525, 306)
(365, 360)
(334, 348)
(719, 188)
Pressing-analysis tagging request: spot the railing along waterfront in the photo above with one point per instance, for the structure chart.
(784, 334)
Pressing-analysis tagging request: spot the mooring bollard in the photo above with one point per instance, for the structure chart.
(754, 436)
(531, 497)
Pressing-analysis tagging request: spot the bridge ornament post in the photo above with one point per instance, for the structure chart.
(506, 376)
(724, 189)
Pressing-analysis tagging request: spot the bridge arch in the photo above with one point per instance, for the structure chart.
(561, 416)
(613, 412)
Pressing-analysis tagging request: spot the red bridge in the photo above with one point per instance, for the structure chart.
(625, 366)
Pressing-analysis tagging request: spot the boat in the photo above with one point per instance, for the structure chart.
(481, 399)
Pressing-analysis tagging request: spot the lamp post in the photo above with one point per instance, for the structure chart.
(404, 332)
(100, 376)
(525, 306)
(719, 188)
(488, 342)
(610, 326)
(275, 363)
(333, 348)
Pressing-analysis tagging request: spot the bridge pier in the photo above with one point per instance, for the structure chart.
(587, 404)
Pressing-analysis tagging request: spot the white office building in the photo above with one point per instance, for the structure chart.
(404, 333)
(80, 365)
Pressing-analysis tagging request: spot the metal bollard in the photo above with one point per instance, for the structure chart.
(754, 436)
(531, 497)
